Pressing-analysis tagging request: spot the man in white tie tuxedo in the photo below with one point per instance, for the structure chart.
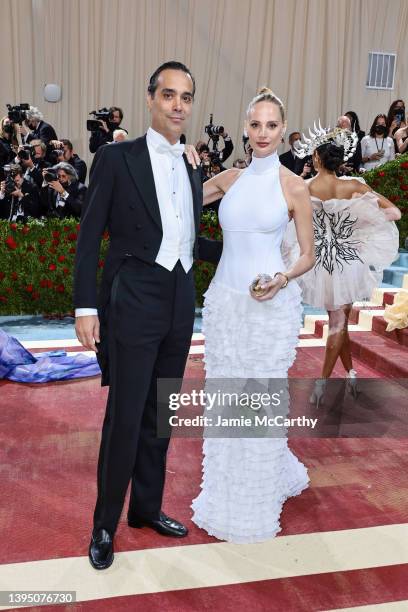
(150, 199)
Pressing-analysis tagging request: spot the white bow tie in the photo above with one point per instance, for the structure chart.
(176, 150)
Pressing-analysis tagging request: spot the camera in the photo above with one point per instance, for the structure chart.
(103, 114)
(213, 131)
(17, 113)
(50, 176)
(25, 153)
(10, 184)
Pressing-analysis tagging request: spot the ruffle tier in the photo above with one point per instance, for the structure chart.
(247, 480)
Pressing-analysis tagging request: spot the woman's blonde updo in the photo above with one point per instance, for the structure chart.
(266, 95)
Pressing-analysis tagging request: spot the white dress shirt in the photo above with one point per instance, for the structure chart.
(175, 200)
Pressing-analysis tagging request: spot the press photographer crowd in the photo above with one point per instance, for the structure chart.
(41, 176)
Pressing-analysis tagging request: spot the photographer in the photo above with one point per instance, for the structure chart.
(19, 198)
(62, 194)
(65, 153)
(8, 143)
(32, 159)
(35, 127)
(104, 134)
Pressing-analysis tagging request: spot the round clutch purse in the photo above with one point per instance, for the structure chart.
(261, 279)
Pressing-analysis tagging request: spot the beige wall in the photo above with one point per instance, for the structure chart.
(313, 53)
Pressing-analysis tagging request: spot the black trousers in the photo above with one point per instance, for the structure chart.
(149, 326)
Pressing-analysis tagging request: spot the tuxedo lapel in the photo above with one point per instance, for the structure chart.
(140, 167)
(197, 192)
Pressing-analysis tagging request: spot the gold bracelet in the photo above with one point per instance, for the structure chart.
(286, 277)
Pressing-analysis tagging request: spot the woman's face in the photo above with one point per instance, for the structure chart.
(265, 128)
(380, 121)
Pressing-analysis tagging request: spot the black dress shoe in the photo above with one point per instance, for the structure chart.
(163, 525)
(101, 549)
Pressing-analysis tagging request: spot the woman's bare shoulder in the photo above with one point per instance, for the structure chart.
(226, 178)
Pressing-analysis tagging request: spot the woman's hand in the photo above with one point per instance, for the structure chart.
(269, 288)
(193, 157)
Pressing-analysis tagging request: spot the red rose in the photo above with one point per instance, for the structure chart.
(106, 235)
(43, 283)
(49, 284)
(42, 241)
(3, 298)
(394, 198)
(51, 249)
(77, 226)
(404, 165)
(9, 290)
(35, 295)
(55, 234)
(29, 288)
(72, 236)
(72, 250)
(55, 242)
(66, 271)
(66, 228)
(101, 263)
(11, 243)
(404, 187)
(14, 276)
(30, 248)
(42, 258)
(25, 229)
(382, 173)
(13, 226)
(61, 258)
(52, 267)
(60, 288)
(2, 275)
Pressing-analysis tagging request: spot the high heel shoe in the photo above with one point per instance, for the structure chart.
(351, 383)
(318, 392)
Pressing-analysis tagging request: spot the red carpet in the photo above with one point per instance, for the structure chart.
(48, 451)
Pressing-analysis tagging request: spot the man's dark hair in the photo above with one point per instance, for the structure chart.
(67, 143)
(168, 66)
(112, 109)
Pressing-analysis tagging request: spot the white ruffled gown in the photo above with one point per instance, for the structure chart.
(247, 480)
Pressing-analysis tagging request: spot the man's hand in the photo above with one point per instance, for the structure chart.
(87, 331)
(56, 185)
(193, 157)
(104, 126)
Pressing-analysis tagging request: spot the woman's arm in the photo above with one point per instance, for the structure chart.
(391, 211)
(300, 207)
(402, 144)
(218, 185)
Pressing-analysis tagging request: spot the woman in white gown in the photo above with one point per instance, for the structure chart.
(355, 239)
(250, 334)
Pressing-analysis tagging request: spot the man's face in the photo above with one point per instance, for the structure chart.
(205, 155)
(18, 179)
(67, 152)
(344, 123)
(38, 152)
(172, 103)
(115, 118)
